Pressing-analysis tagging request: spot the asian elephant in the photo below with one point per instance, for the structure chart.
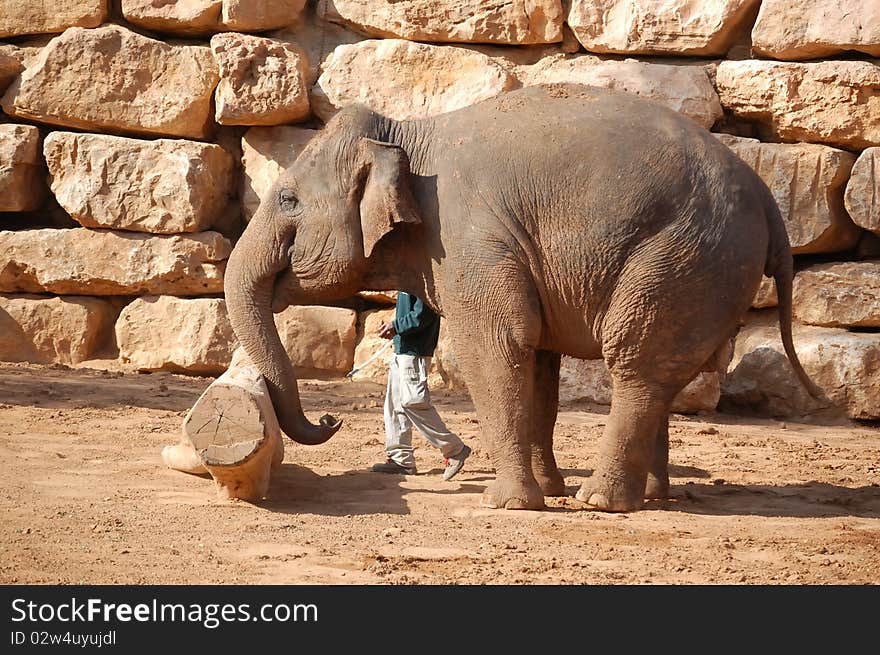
(555, 219)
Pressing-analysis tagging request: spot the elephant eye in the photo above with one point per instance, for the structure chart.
(288, 200)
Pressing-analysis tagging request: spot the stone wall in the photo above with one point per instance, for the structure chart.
(136, 139)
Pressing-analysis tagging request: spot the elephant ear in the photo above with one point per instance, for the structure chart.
(386, 199)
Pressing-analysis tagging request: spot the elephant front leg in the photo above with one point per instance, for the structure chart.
(501, 381)
(546, 406)
(503, 398)
(495, 325)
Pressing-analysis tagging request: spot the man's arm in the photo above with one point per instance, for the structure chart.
(415, 320)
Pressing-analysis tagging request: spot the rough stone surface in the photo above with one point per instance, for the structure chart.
(588, 379)
(262, 81)
(403, 80)
(112, 79)
(317, 38)
(793, 29)
(833, 102)
(260, 15)
(266, 152)
(200, 17)
(686, 89)
(845, 365)
(319, 340)
(838, 295)
(191, 335)
(766, 295)
(186, 17)
(22, 187)
(369, 343)
(808, 182)
(862, 196)
(519, 22)
(164, 186)
(10, 66)
(681, 27)
(19, 17)
(66, 330)
(100, 262)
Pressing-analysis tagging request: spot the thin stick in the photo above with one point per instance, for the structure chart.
(351, 373)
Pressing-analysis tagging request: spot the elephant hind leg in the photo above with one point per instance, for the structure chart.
(657, 486)
(627, 447)
(546, 407)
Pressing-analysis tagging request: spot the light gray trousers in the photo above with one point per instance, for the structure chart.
(408, 404)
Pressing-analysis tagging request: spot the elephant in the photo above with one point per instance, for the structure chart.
(552, 220)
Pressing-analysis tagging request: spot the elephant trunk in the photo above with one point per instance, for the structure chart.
(248, 285)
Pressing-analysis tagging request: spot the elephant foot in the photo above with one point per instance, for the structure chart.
(608, 496)
(513, 494)
(551, 484)
(656, 488)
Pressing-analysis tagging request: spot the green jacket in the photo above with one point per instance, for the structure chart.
(416, 326)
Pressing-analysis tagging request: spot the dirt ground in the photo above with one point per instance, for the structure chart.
(85, 499)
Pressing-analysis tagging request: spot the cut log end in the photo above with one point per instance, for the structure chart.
(234, 433)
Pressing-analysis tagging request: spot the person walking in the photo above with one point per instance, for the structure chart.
(415, 330)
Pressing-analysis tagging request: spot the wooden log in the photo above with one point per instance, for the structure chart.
(183, 457)
(234, 431)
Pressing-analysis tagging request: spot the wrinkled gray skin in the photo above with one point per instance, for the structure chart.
(553, 220)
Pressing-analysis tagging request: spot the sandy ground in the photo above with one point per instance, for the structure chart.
(85, 499)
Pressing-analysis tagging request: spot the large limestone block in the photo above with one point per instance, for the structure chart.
(186, 17)
(317, 38)
(164, 186)
(683, 27)
(588, 379)
(808, 182)
(100, 262)
(10, 66)
(22, 187)
(838, 295)
(262, 81)
(260, 15)
(318, 340)
(686, 89)
(845, 365)
(370, 343)
(200, 17)
(14, 59)
(833, 102)
(67, 330)
(18, 17)
(519, 22)
(189, 335)
(404, 80)
(862, 196)
(793, 29)
(112, 79)
(766, 294)
(266, 152)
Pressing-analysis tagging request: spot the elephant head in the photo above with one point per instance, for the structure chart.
(311, 240)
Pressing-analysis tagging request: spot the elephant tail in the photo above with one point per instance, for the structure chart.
(780, 266)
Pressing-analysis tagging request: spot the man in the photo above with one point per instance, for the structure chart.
(415, 330)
